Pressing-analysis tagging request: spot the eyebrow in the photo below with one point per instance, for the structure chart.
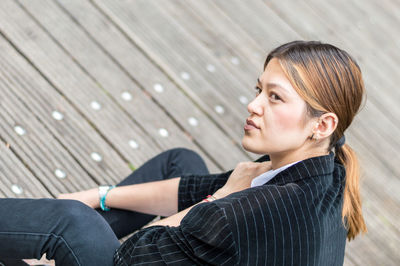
(272, 85)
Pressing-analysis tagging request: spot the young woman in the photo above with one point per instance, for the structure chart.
(294, 206)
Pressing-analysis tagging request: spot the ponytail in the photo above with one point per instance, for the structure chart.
(351, 213)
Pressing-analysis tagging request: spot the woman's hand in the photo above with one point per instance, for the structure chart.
(89, 197)
(241, 177)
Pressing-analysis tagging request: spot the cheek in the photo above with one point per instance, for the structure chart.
(287, 120)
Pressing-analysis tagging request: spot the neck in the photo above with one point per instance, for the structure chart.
(280, 159)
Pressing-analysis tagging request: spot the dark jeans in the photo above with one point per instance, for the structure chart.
(72, 233)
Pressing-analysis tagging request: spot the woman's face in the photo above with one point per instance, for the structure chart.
(278, 122)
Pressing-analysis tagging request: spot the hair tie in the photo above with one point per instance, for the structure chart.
(340, 142)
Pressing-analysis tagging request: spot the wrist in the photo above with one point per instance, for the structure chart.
(90, 197)
(103, 191)
(94, 198)
(220, 193)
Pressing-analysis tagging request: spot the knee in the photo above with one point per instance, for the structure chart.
(80, 218)
(75, 214)
(86, 234)
(69, 208)
(182, 153)
(187, 161)
(178, 150)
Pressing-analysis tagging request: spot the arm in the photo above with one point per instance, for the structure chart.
(193, 189)
(161, 197)
(203, 237)
(173, 220)
(238, 180)
(158, 198)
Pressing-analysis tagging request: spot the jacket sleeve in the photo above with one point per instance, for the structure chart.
(194, 188)
(204, 237)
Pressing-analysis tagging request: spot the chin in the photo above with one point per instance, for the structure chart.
(252, 146)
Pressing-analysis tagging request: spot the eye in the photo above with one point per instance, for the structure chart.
(258, 90)
(274, 97)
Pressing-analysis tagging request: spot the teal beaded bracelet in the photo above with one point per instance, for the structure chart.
(103, 191)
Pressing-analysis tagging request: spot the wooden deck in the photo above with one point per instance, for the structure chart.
(91, 89)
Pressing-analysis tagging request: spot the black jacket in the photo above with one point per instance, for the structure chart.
(294, 219)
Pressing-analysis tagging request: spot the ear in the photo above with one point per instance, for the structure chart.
(326, 125)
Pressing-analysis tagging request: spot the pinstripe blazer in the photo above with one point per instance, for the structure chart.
(294, 219)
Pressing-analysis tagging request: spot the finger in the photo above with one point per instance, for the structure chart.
(262, 164)
(265, 166)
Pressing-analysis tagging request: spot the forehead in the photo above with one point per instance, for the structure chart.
(274, 76)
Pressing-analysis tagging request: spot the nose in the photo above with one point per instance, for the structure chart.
(255, 107)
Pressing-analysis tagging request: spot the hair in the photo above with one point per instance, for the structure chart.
(329, 80)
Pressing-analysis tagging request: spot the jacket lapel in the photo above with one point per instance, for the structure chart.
(312, 167)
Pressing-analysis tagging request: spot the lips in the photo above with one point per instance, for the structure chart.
(250, 125)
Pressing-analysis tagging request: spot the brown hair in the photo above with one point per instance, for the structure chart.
(329, 80)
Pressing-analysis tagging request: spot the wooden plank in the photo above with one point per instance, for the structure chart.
(110, 77)
(16, 180)
(157, 35)
(73, 132)
(37, 148)
(203, 30)
(380, 209)
(80, 89)
(370, 23)
(348, 261)
(219, 33)
(138, 67)
(259, 22)
(385, 189)
(377, 247)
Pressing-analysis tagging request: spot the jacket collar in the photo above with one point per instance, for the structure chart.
(311, 167)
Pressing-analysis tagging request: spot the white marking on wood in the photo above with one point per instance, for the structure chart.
(60, 173)
(193, 121)
(219, 109)
(163, 132)
(133, 144)
(158, 87)
(256, 54)
(95, 105)
(185, 75)
(57, 115)
(20, 130)
(211, 68)
(16, 189)
(96, 157)
(126, 96)
(243, 99)
(235, 60)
